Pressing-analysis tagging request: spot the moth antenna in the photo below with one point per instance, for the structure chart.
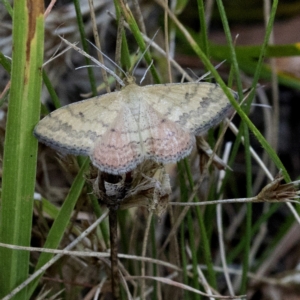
(108, 58)
(143, 54)
(146, 72)
(208, 73)
(95, 61)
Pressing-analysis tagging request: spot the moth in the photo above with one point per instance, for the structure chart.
(119, 130)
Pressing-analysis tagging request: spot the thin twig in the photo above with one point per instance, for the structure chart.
(119, 44)
(183, 286)
(49, 8)
(144, 250)
(113, 228)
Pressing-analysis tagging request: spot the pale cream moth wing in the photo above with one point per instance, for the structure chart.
(75, 128)
(119, 150)
(194, 106)
(163, 140)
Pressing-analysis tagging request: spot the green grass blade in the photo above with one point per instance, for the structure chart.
(20, 151)
(203, 28)
(5, 62)
(85, 45)
(51, 90)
